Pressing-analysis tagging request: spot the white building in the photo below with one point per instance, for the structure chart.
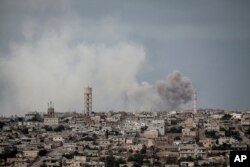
(192, 150)
(51, 121)
(158, 125)
(186, 132)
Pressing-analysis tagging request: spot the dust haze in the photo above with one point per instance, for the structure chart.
(55, 61)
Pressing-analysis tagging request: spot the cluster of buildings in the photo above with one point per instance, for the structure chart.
(170, 139)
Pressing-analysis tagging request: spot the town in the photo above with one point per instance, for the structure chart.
(191, 137)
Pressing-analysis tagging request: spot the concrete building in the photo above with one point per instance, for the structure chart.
(87, 100)
(17, 162)
(189, 123)
(77, 161)
(227, 140)
(192, 150)
(30, 153)
(150, 134)
(30, 115)
(245, 120)
(236, 115)
(158, 124)
(187, 132)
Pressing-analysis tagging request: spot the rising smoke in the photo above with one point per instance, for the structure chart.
(169, 94)
(55, 61)
(175, 90)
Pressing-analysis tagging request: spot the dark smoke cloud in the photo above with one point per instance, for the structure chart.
(175, 90)
(169, 94)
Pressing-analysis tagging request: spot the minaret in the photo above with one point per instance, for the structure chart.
(87, 100)
(51, 110)
(194, 102)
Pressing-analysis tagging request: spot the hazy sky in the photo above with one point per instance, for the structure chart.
(51, 50)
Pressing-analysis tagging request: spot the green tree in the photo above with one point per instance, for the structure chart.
(226, 117)
(88, 138)
(59, 128)
(66, 120)
(9, 152)
(69, 156)
(48, 128)
(2, 124)
(42, 152)
(111, 161)
(144, 149)
(211, 134)
(106, 134)
(36, 118)
(144, 128)
(95, 136)
(171, 160)
(25, 130)
(174, 130)
(138, 159)
(247, 131)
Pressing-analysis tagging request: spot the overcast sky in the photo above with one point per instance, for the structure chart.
(51, 50)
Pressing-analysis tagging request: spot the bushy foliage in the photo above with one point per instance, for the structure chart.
(171, 160)
(113, 162)
(226, 117)
(174, 130)
(59, 128)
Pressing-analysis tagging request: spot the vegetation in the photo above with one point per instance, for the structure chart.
(8, 152)
(2, 124)
(59, 128)
(225, 146)
(113, 162)
(211, 134)
(197, 139)
(137, 158)
(174, 130)
(25, 130)
(114, 132)
(95, 137)
(171, 160)
(233, 133)
(69, 155)
(36, 118)
(247, 131)
(144, 128)
(187, 159)
(88, 138)
(42, 152)
(226, 117)
(174, 122)
(48, 128)
(66, 120)
(144, 149)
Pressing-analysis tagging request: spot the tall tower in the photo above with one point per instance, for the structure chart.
(51, 110)
(195, 102)
(87, 100)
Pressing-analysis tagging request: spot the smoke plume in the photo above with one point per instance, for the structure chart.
(55, 61)
(175, 90)
(169, 94)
